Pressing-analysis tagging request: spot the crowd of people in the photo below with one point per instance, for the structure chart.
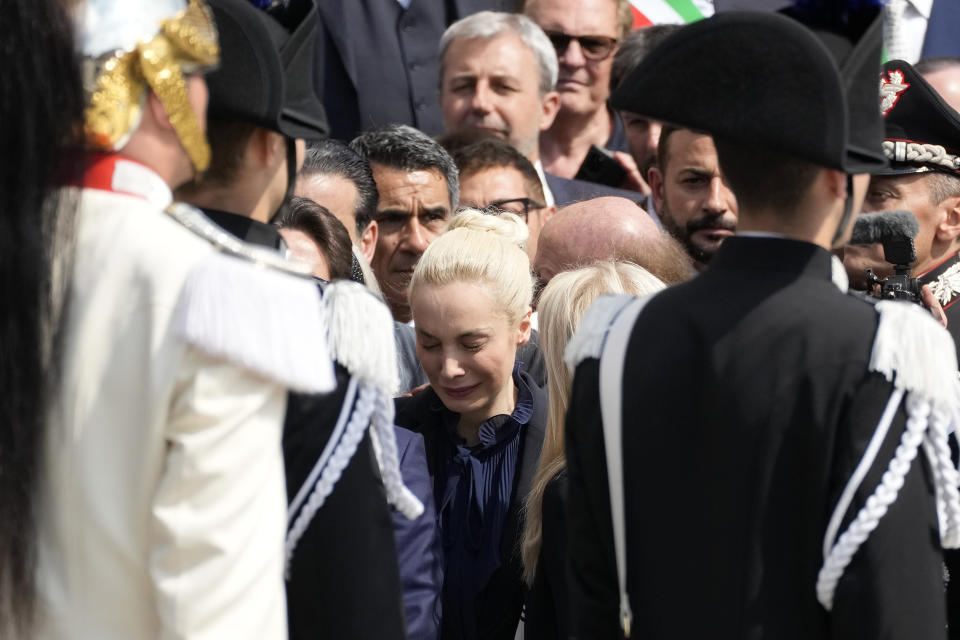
(495, 321)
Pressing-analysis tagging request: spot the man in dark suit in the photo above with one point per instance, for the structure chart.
(732, 510)
(377, 61)
(940, 39)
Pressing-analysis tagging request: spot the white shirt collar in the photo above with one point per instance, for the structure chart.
(923, 7)
(547, 194)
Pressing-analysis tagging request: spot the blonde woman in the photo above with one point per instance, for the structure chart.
(562, 305)
(482, 419)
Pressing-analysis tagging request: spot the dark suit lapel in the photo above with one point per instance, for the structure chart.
(941, 38)
(335, 18)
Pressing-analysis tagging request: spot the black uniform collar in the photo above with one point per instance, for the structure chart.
(944, 279)
(773, 255)
(248, 229)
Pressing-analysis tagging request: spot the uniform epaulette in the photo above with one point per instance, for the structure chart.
(589, 339)
(360, 334)
(250, 306)
(225, 242)
(913, 351)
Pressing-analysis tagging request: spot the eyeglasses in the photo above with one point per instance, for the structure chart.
(593, 47)
(519, 207)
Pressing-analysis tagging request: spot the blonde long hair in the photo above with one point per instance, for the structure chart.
(562, 305)
(486, 249)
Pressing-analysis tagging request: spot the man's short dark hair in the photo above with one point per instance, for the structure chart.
(663, 146)
(484, 153)
(399, 146)
(332, 157)
(763, 178)
(635, 48)
(228, 140)
(931, 65)
(325, 230)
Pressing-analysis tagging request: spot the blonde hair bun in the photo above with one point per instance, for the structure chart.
(507, 225)
(483, 249)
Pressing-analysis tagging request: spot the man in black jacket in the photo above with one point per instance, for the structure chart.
(732, 509)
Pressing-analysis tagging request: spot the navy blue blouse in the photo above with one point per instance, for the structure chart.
(473, 496)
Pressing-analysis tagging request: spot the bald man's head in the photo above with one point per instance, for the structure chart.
(608, 228)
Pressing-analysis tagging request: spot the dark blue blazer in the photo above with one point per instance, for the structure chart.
(499, 603)
(942, 28)
(567, 191)
(377, 63)
(418, 543)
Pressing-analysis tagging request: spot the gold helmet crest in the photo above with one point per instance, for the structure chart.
(130, 46)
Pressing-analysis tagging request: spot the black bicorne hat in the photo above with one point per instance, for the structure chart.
(766, 79)
(266, 68)
(922, 130)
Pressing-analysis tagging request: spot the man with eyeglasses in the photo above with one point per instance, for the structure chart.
(494, 175)
(585, 34)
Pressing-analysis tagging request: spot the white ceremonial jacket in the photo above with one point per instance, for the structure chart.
(161, 510)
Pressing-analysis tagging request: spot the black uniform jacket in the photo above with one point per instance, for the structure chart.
(500, 602)
(344, 579)
(945, 281)
(547, 613)
(747, 404)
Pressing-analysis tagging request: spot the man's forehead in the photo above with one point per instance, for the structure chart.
(578, 17)
(400, 186)
(689, 149)
(900, 181)
(504, 54)
(494, 183)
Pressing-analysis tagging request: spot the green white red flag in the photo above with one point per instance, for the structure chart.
(648, 12)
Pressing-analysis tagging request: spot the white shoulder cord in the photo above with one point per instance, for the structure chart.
(338, 461)
(900, 351)
(328, 449)
(611, 395)
(373, 407)
(384, 440)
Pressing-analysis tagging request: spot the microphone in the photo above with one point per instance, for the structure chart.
(886, 226)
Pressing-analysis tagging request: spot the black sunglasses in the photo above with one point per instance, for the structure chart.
(593, 47)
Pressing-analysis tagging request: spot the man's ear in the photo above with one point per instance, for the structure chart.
(368, 240)
(547, 213)
(550, 107)
(836, 183)
(655, 180)
(525, 329)
(949, 228)
(158, 112)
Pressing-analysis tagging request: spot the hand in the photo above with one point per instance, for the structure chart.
(930, 302)
(634, 180)
(416, 390)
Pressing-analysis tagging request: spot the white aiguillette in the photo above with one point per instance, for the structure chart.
(251, 306)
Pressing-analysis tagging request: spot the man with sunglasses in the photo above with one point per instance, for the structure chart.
(585, 34)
